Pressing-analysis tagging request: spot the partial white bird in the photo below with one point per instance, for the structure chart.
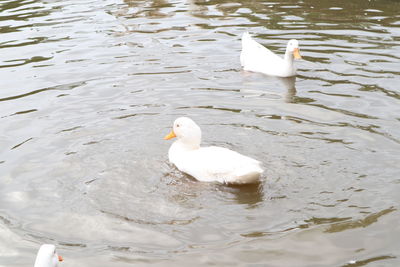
(257, 58)
(47, 256)
(209, 164)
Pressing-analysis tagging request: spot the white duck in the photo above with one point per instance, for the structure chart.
(209, 164)
(257, 58)
(47, 256)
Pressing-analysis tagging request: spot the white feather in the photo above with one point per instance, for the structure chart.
(209, 164)
(47, 256)
(257, 58)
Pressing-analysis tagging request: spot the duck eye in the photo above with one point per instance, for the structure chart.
(177, 125)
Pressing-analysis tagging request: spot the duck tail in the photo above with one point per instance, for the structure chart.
(248, 175)
(246, 45)
(246, 36)
(249, 178)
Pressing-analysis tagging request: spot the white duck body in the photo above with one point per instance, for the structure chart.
(209, 164)
(257, 58)
(47, 256)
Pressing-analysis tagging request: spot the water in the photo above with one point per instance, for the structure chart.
(89, 88)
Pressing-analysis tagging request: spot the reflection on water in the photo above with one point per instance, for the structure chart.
(289, 84)
(250, 195)
(368, 220)
(89, 89)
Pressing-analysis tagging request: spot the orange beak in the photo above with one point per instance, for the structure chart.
(296, 53)
(60, 258)
(170, 135)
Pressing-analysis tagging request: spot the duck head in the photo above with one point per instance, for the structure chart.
(186, 131)
(47, 256)
(293, 48)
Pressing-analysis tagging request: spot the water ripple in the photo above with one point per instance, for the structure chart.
(96, 84)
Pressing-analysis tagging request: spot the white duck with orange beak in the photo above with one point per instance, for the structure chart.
(257, 58)
(209, 164)
(47, 256)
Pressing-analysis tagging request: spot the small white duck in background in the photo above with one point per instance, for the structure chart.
(209, 164)
(257, 58)
(47, 256)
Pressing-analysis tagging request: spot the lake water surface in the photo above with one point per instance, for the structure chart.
(89, 89)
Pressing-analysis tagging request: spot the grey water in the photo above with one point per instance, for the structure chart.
(89, 89)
